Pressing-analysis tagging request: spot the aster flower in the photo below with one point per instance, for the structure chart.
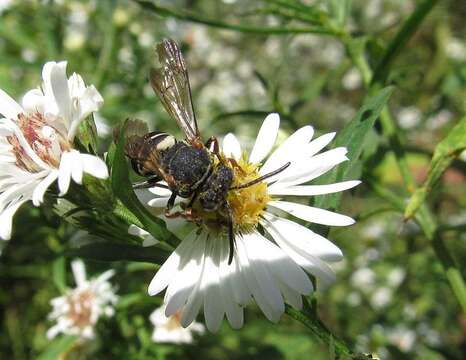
(272, 253)
(79, 309)
(36, 141)
(169, 329)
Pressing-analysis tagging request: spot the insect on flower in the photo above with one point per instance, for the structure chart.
(192, 169)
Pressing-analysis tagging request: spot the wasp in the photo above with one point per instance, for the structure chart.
(192, 169)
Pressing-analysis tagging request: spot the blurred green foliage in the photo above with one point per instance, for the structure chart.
(313, 62)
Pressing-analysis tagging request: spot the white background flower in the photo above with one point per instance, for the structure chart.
(36, 140)
(79, 309)
(269, 267)
(169, 329)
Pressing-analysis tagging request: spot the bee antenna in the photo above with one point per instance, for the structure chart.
(262, 178)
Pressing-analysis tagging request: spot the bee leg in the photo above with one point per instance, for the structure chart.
(235, 165)
(213, 145)
(151, 182)
(171, 200)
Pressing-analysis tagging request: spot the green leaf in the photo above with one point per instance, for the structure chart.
(59, 274)
(58, 348)
(122, 188)
(353, 137)
(110, 251)
(87, 135)
(445, 152)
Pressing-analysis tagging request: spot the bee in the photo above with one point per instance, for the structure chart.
(192, 169)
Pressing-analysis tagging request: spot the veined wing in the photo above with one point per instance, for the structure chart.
(171, 84)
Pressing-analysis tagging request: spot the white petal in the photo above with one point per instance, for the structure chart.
(9, 108)
(265, 139)
(302, 257)
(307, 240)
(77, 168)
(64, 172)
(163, 276)
(194, 303)
(233, 311)
(79, 272)
(232, 274)
(159, 191)
(213, 306)
(6, 219)
(318, 144)
(184, 281)
(291, 296)
(313, 214)
(41, 188)
(283, 267)
(231, 147)
(311, 190)
(61, 92)
(288, 151)
(94, 166)
(303, 171)
(253, 277)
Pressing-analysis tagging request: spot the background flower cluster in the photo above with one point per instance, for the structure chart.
(391, 297)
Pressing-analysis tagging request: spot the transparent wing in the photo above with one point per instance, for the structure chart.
(171, 84)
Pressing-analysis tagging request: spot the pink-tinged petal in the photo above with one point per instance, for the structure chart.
(313, 214)
(33, 101)
(9, 108)
(79, 272)
(94, 166)
(312, 190)
(64, 172)
(6, 218)
(61, 92)
(41, 188)
(231, 147)
(265, 139)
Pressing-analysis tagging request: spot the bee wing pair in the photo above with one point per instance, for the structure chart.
(171, 83)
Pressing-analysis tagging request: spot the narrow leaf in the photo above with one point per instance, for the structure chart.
(401, 39)
(122, 188)
(445, 152)
(59, 274)
(353, 137)
(57, 348)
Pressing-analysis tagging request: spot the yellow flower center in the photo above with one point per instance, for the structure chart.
(247, 204)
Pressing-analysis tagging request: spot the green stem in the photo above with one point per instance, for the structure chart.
(318, 328)
(187, 16)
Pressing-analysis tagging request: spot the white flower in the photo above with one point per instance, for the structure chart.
(79, 309)
(36, 141)
(272, 253)
(169, 329)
